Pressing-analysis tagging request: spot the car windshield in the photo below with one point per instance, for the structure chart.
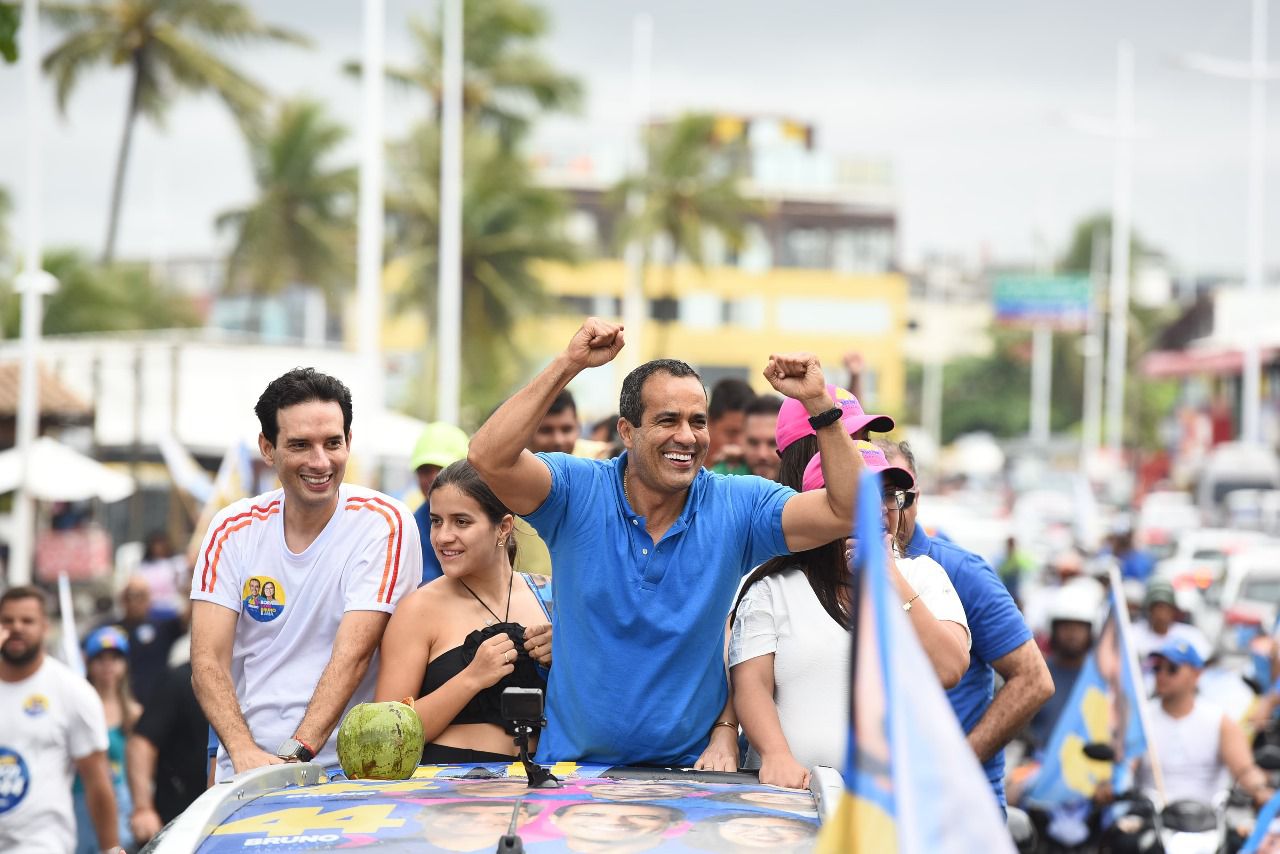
(1261, 590)
(1222, 487)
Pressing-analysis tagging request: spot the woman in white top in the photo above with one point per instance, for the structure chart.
(789, 644)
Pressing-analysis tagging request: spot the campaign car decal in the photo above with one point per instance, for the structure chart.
(440, 810)
(264, 598)
(15, 779)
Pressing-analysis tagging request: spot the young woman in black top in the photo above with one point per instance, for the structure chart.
(454, 644)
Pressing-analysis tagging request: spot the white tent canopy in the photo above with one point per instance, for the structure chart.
(60, 473)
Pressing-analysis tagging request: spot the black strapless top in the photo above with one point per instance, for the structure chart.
(485, 707)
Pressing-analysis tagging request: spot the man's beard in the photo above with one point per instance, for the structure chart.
(19, 659)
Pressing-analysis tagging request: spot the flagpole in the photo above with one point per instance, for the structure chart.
(1131, 659)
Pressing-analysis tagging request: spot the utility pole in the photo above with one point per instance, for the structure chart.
(1256, 72)
(1121, 130)
(449, 298)
(1121, 236)
(1091, 429)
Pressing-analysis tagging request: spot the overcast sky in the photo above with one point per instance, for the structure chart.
(965, 100)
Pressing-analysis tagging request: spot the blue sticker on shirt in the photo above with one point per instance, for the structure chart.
(263, 598)
(14, 779)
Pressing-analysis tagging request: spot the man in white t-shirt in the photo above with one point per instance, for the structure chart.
(1195, 741)
(51, 727)
(293, 588)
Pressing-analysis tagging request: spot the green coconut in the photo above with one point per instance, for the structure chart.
(380, 741)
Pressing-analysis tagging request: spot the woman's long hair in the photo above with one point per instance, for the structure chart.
(825, 567)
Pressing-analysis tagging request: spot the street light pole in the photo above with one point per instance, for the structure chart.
(1121, 228)
(1252, 392)
(369, 237)
(1256, 72)
(34, 283)
(449, 298)
(633, 299)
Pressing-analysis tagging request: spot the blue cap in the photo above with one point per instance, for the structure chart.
(1180, 651)
(106, 639)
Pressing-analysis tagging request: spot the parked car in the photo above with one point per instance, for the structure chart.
(1199, 558)
(1250, 596)
(1230, 467)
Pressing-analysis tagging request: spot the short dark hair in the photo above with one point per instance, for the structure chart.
(301, 385)
(564, 400)
(764, 404)
(26, 591)
(631, 403)
(463, 476)
(730, 395)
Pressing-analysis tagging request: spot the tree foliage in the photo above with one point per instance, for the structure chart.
(506, 81)
(508, 224)
(170, 47)
(300, 229)
(691, 187)
(93, 299)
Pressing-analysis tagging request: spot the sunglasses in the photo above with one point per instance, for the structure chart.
(1166, 667)
(899, 499)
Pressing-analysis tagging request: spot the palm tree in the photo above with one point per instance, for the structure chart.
(691, 189)
(169, 47)
(301, 227)
(508, 224)
(505, 81)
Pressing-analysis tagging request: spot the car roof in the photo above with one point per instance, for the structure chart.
(441, 806)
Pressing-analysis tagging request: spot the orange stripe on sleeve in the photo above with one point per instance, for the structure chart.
(206, 585)
(255, 513)
(390, 567)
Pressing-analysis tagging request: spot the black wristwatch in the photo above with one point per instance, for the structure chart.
(825, 419)
(292, 750)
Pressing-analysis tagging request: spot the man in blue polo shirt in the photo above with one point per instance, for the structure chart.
(1001, 642)
(649, 549)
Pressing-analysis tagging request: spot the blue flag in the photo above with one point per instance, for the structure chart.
(912, 784)
(1266, 830)
(1105, 707)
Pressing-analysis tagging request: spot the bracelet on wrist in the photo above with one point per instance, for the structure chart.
(730, 724)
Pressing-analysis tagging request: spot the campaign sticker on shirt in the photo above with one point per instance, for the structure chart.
(263, 598)
(146, 633)
(35, 705)
(14, 779)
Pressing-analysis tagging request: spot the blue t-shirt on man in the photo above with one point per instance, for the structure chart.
(639, 627)
(431, 569)
(997, 628)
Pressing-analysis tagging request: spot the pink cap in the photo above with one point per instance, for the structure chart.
(793, 421)
(872, 457)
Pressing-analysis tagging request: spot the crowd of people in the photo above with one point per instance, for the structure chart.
(677, 584)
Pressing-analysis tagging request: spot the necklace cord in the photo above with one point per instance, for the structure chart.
(510, 581)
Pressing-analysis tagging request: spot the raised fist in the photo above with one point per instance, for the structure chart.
(595, 343)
